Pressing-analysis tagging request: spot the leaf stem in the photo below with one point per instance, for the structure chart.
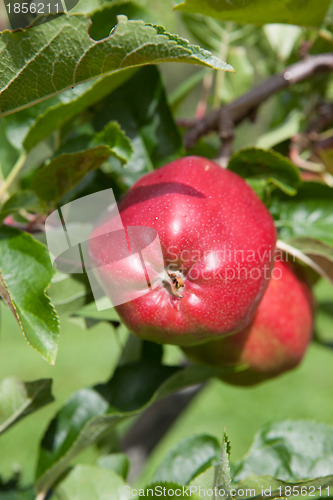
(220, 75)
(307, 259)
(13, 174)
(41, 496)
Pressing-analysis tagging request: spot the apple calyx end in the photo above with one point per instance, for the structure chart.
(175, 282)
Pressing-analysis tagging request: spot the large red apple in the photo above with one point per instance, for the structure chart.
(277, 338)
(217, 241)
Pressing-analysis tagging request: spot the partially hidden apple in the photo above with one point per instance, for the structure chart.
(217, 240)
(277, 338)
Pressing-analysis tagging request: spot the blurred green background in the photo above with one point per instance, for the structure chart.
(89, 356)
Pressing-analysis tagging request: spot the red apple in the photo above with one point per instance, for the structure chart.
(217, 240)
(277, 338)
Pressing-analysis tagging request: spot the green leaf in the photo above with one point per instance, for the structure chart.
(258, 164)
(91, 412)
(35, 66)
(309, 214)
(189, 458)
(19, 200)
(291, 451)
(305, 13)
(118, 462)
(290, 126)
(70, 292)
(259, 487)
(222, 470)
(19, 399)
(204, 482)
(87, 482)
(27, 493)
(66, 170)
(114, 137)
(39, 121)
(25, 273)
(91, 311)
(312, 252)
(283, 39)
(270, 487)
(146, 118)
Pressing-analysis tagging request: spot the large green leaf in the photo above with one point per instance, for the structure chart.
(291, 451)
(189, 458)
(19, 399)
(303, 13)
(25, 273)
(91, 412)
(146, 118)
(88, 482)
(308, 214)
(276, 169)
(40, 62)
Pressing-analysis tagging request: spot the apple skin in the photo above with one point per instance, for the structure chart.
(276, 340)
(218, 239)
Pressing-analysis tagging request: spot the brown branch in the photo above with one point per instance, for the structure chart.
(244, 107)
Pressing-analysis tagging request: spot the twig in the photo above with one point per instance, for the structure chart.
(245, 105)
(206, 88)
(36, 225)
(298, 143)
